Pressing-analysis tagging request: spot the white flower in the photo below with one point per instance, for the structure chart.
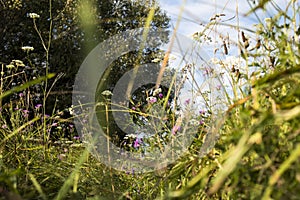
(107, 93)
(151, 99)
(157, 91)
(194, 122)
(156, 60)
(27, 48)
(268, 22)
(18, 63)
(10, 66)
(33, 15)
(71, 110)
(172, 57)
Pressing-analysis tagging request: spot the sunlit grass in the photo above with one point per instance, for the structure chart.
(256, 156)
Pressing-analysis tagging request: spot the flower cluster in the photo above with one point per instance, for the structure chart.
(27, 48)
(33, 15)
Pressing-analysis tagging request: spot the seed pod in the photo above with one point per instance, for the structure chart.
(258, 44)
(233, 69)
(244, 39)
(225, 48)
(246, 44)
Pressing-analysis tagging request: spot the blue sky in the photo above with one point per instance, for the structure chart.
(197, 14)
(197, 11)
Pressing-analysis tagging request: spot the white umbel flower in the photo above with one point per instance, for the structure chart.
(156, 60)
(157, 91)
(107, 93)
(27, 48)
(33, 15)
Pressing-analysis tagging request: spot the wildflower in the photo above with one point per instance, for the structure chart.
(175, 129)
(218, 87)
(160, 95)
(54, 124)
(136, 143)
(187, 102)
(19, 63)
(37, 106)
(71, 110)
(33, 15)
(194, 122)
(201, 122)
(76, 137)
(4, 126)
(156, 60)
(27, 48)
(21, 95)
(208, 71)
(172, 57)
(268, 22)
(133, 108)
(107, 93)
(25, 113)
(10, 66)
(151, 99)
(202, 112)
(61, 156)
(157, 91)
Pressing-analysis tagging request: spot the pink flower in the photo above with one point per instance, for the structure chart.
(187, 102)
(175, 129)
(202, 112)
(151, 99)
(136, 143)
(38, 106)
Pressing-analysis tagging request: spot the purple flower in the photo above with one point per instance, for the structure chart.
(4, 126)
(21, 95)
(201, 122)
(25, 111)
(136, 143)
(133, 108)
(218, 87)
(76, 137)
(46, 116)
(202, 112)
(54, 124)
(38, 106)
(175, 129)
(187, 102)
(151, 99)
(160, 95)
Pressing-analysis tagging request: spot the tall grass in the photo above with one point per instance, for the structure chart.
(256, 156)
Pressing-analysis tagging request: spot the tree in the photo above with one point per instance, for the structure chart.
(71, 40)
